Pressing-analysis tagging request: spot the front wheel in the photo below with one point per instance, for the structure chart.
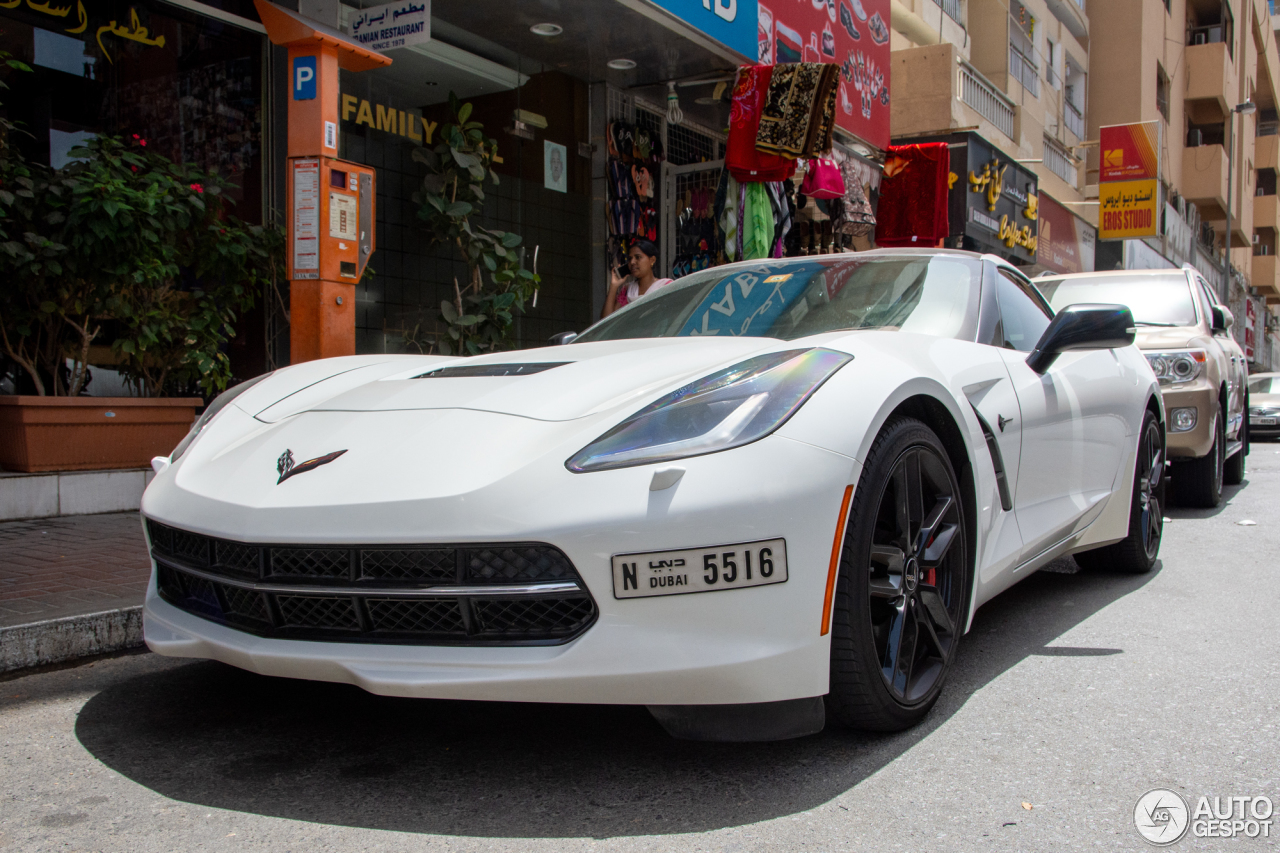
(1198, 482)
(1136, 554)
(902, 592)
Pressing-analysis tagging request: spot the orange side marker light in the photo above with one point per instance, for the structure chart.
(835, 560)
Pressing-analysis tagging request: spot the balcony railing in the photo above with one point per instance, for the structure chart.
(1022, 69)
(987, 100)
(1073, 118)
(952, 8)
(1059, 161)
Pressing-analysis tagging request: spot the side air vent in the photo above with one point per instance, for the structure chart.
(997, 461)
(527, 369)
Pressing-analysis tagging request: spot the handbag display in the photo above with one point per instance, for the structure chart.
(823, 179)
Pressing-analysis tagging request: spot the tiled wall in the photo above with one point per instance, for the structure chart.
(413, 277)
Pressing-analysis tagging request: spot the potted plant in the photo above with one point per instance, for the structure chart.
(480, 316)
(125, 244)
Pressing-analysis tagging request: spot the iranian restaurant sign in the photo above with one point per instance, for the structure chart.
(1128, 181)
(393, 25)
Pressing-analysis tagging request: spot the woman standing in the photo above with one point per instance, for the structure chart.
(623, 291)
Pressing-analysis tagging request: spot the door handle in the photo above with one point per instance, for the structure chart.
(1002, 422)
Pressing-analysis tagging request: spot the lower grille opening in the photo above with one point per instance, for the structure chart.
(523, 594)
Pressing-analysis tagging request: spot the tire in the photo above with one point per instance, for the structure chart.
(1233, 471)
(1136, 553)
(902, 592)
(1198, 482)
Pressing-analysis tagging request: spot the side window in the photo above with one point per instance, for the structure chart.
(1023, 317)
(1206, 300)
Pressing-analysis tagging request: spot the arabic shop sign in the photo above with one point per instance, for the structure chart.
(996, 203)
(133, 30)
(1128, 181)
(1128, 209)
(393, 25)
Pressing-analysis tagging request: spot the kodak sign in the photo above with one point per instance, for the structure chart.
(1128, 181)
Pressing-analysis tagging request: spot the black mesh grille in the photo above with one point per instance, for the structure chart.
(189, 547)
(160, 539)
(309, 592)
(169, 582)
(315, 611)
(425, 616)
(550, 616)
(517, 563)
(237, 558)
(244, 604)
(310, 562)
(201, 595)
(409, 564)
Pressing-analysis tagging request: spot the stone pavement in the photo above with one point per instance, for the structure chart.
(54, 568)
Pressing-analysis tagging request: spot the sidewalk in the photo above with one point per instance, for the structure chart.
(70, 586)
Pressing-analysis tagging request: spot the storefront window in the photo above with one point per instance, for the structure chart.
(190, 85)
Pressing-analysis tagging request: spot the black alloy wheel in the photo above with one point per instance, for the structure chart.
(1136, 553)
(903, 591)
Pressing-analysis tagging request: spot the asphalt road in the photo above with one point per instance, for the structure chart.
(1074, 694)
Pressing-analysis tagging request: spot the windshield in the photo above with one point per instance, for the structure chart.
(1265, 385)
(926, 294)
(1154, 301)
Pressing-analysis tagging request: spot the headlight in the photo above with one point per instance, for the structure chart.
(1173, 368)
(736, 406)
(218, 404)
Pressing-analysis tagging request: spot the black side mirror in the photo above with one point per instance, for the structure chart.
(563, 338)
(1220, 318)
(1083, 327)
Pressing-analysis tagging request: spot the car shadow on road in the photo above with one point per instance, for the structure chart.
(219, 737)
(1229, 494)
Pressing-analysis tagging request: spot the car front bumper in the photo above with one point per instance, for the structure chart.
(758, 644)
(1196, 442)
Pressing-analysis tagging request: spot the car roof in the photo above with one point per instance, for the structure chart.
(836, 257)
(1161, 273)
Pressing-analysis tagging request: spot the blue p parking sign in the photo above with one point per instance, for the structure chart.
(304, 78)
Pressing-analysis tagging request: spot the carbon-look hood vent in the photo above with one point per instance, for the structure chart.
(527, 369)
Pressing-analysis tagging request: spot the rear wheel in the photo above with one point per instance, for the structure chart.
(1198, 482)
(1137, 552)
(902, 593)
(1233, 472)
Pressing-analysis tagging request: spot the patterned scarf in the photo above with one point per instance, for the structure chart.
(798, 117)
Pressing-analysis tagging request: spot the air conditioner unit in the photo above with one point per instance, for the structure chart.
(1195, 138)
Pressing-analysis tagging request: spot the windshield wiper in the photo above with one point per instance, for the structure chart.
(1145, 323)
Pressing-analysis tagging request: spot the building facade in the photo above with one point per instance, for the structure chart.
(1017, 75)
(1190, 65)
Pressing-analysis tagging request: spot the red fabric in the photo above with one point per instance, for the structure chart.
(913, 200)
(745, 163)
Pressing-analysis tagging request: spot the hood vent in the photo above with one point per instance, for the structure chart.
(527, 369)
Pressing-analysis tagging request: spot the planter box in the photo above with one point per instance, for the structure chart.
(87, 433)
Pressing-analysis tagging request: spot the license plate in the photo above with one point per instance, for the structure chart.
(1262, 421)
(700, 569)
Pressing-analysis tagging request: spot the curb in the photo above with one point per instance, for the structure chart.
(58, 640)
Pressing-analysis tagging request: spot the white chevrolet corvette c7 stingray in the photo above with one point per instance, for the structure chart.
(769, 493)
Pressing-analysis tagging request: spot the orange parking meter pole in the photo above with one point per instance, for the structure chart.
(330, 212)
